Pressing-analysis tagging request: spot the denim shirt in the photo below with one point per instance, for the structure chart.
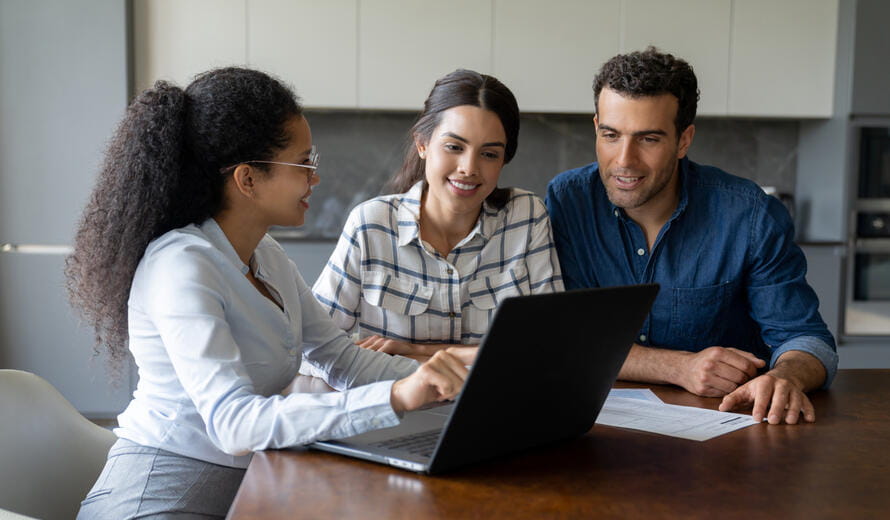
(730, 272)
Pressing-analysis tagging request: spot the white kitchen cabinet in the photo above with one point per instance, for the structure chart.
(309, 44)
(549, 52)
(782, 58)
(871, 75)
(405, 46)
(753, 58)
(175, 39)
(703, 41)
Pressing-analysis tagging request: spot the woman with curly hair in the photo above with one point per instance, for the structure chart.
(173, 264)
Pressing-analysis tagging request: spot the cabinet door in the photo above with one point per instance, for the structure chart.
(309, 44)
(174, 40)
(871, 75)
(705, 45)
(782, 58)
(405, 46)
(549, 52)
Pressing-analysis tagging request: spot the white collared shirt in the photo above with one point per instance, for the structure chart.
(214, 354)
(383, 279)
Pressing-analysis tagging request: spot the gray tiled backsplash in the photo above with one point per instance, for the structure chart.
(360, 150)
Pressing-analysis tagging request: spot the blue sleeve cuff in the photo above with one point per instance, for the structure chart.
(821, 350)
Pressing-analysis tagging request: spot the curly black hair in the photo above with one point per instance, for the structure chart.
(162, 171)
(459, 88)
(651, 73)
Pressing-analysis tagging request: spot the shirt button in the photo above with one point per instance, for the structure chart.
(641, 251)
(451, 315)
(450, 271)
(642, 338)
(616, 212)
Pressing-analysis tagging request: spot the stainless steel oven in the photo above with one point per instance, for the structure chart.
(867, 305)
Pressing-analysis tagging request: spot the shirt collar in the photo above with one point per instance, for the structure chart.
(408, 217)
(218, 238)
(683, 173)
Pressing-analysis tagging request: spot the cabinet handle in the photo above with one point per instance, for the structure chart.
(36, 249)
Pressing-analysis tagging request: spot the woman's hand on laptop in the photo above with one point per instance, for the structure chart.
(439, 379)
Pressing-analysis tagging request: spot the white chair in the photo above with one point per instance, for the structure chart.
(9, 515)
(50, 455)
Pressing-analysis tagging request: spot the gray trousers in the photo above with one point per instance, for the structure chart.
(143, 482)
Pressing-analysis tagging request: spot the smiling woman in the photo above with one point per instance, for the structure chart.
(423, 269)
(172, 264)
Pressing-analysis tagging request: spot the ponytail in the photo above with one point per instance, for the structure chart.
(123, 216)
(161, 172)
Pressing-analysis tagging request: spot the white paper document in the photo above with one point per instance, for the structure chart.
(641, 413)
(635, 393)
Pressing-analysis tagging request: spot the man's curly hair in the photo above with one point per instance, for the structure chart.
(651, 73)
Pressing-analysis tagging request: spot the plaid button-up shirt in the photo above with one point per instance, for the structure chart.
(383, 279)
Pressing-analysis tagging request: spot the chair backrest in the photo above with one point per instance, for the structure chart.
(50, 455)
(9, 515)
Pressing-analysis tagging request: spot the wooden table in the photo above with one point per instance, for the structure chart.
(838, 467)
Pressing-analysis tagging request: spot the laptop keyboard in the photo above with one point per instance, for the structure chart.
(422, 443)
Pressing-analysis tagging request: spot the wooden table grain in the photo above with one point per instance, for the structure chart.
(838, 467)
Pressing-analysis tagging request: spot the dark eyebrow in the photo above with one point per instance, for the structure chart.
(459, 138)
(635, 134)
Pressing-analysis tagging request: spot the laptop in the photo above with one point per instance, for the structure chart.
(542, 373)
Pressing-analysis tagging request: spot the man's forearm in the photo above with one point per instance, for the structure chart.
(801, 368)
(652, 365)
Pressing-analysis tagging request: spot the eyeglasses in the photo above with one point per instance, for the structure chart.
(311, 167)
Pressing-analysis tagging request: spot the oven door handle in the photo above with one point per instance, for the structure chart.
(871, 245)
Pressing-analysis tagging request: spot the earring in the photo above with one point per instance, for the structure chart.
(422, 155)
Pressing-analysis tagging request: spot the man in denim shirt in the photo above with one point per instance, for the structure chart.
(735, 316)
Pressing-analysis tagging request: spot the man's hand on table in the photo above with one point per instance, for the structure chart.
(780, 394)
(716, 371)
(782, 397)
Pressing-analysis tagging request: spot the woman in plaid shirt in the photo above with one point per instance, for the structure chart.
(424, 269)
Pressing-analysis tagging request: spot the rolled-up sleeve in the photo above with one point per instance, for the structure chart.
(781, 300)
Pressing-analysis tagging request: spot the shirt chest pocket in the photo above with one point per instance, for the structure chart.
(699, 315)
(395, 295)
(487, 292)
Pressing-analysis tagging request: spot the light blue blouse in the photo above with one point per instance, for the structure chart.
(214, 354)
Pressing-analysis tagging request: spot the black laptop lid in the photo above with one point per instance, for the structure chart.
(545, 368)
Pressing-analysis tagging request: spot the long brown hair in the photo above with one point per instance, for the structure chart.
(459, 88)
